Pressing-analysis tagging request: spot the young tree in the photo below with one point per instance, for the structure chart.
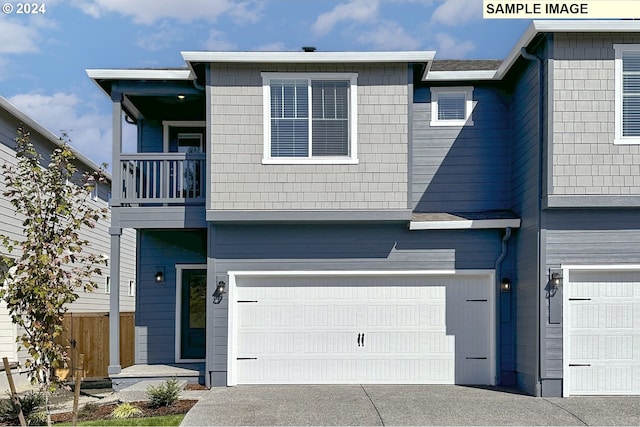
(51, 262)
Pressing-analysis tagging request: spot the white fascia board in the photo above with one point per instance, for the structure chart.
(125, 74)
(603, 267)
(308, 57)
(355, 273)
(465, 224)
(52, 137)
(443, 76)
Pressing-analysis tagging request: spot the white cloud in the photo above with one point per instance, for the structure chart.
(457, 12)
(18, 38)
(217, 42)
(450, 48)
(149, 11)
(161, 38)
(90, 131)
(355, 10)
(389, 36)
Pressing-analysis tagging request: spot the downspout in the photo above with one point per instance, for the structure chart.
(498, 270)
(530, 57)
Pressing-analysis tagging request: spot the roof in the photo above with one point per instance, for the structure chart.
(46, 133)
(465, 64)
(536, 27)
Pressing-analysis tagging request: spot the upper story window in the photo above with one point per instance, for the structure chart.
(310, 118)
(627, 94)
(451, 106)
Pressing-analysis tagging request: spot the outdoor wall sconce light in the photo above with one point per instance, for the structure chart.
(217, 294)
(505, 285)
(556, 279)
(159, 274)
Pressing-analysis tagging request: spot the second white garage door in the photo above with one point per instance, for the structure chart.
(345, 330)
(602, 333)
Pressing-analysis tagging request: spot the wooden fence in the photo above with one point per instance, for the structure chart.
(88, 334)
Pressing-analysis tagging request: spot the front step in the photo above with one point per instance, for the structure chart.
(154, 373)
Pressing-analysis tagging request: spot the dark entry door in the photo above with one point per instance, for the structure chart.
(193, 314)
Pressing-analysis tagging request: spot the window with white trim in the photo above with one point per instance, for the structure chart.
(107, 285)
(451, 106)
(627, 93)
(310, 117)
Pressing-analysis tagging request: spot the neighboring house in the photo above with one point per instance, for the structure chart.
(381, 217)
(11, 225)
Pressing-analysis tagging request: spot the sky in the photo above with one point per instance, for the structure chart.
(44, 55)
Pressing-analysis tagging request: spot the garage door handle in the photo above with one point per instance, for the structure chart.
(246, 358)
(476, 358)
(363, 339)
(358, 340)
(476, 300)
(579, 299)
(579, 364)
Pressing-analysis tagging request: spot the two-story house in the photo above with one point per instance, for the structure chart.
(89, 305)
(384, 217)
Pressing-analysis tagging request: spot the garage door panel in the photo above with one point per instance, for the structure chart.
(603, 333)
(412, 330)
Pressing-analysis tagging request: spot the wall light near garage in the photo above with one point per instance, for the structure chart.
(556, 279)
(217, 294)
(159, 277)
(505, 285)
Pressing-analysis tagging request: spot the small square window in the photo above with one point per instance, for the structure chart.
(107, 285)
(451, 106)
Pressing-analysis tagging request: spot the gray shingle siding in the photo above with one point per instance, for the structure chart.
(585, 159)
(239, 180)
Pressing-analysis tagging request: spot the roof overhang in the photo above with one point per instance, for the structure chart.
(101, 76)
(537, 27)
(464, 221)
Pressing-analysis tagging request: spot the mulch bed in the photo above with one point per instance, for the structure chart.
(103, 412)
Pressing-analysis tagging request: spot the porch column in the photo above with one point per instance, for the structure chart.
(116, 147)
(114, 302)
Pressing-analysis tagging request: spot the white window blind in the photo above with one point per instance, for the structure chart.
(451, 106)
(330, 127)
(289, 118)
(631, 94)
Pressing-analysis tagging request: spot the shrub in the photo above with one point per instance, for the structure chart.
(31, 404)
(88, 409)
(165, 394)
(125, 410)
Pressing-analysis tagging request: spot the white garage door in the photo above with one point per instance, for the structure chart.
(344, 330)
(603, 333)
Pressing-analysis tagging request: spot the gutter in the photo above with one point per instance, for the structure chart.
(526, 55)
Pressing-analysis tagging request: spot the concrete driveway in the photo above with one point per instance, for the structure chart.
(403, 405)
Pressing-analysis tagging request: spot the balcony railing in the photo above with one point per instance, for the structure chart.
(162, 178)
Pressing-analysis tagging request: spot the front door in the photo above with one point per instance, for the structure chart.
(193, 302)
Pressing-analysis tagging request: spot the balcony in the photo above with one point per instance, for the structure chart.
(161, 179)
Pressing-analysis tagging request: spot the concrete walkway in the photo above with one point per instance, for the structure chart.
(403, 405)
